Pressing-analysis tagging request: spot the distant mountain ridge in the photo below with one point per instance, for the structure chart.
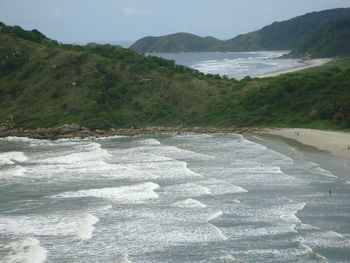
(285, 35)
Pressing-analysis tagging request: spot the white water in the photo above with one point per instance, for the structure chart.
(85, 226)
(137, 192)
(190, 203)
(234, 64)
(27, 250)
(170, 198)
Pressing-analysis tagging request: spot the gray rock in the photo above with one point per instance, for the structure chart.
(68, 128)
(4, 128)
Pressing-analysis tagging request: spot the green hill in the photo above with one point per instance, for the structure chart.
(330, 40)
(46, 84)
(179, 42)
(285, 35)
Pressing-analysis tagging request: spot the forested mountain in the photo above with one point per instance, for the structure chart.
(285, 35)
(179, 42)
(330, 40)
(46, 84)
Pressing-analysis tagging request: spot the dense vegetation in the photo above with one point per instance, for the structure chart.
(285, 35)
(330, 40)
(44, 83)
(179, 42)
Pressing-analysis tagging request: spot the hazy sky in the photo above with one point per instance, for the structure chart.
(114, 20)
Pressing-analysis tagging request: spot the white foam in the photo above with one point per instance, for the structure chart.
(92, 169)
(234, 201)
(215, 228)
(129, 193)
(12, 157)
(27, 250)
(222, 187)
(316, 169)
(190, 203)
(109, 137)
(325, 172)
(215, 215)
(165, 169)
(186, 190)
(90, 152)
(149, 142)
(307, 227)
(13, 171)
(226, 258)
(192, 136)
(218, 232)
(304, 247)
(123, 258)
(308, 250)
(17, 139)
(85, 226)
(335, 234)
(254, 231)
(106, 208)
(291, 217)
(328, 239)
(179, 153)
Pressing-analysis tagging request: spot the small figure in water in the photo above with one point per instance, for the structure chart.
(330, 192)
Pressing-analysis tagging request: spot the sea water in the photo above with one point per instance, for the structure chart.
(171, 198)
(234, 64)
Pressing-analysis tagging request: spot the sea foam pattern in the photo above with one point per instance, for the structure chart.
(184, 198)
(139, 192)
(27, 250)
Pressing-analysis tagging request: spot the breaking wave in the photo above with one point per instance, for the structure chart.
(85, 226)
(12, 157)
(129, 193)
(27, 250)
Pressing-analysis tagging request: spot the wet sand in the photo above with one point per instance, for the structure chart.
(337, 143)
(310, 63)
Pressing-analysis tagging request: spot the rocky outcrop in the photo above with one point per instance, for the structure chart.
(68, 128)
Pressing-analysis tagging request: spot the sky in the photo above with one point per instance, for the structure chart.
(111, 21)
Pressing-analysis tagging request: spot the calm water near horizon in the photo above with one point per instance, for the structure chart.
(172, 198)
(234, 64)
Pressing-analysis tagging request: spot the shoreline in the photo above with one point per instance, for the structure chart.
(77, 132)
(335, 142)
(310, 63)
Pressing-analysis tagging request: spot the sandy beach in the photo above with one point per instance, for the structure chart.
(338, 143)
(310, 63)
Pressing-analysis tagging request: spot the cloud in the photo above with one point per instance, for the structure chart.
(131, 11)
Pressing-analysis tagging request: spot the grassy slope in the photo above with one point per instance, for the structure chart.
(44, 84)
(47, 85)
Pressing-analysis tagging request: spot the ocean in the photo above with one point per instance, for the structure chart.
(234, 64)
(189, 198)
